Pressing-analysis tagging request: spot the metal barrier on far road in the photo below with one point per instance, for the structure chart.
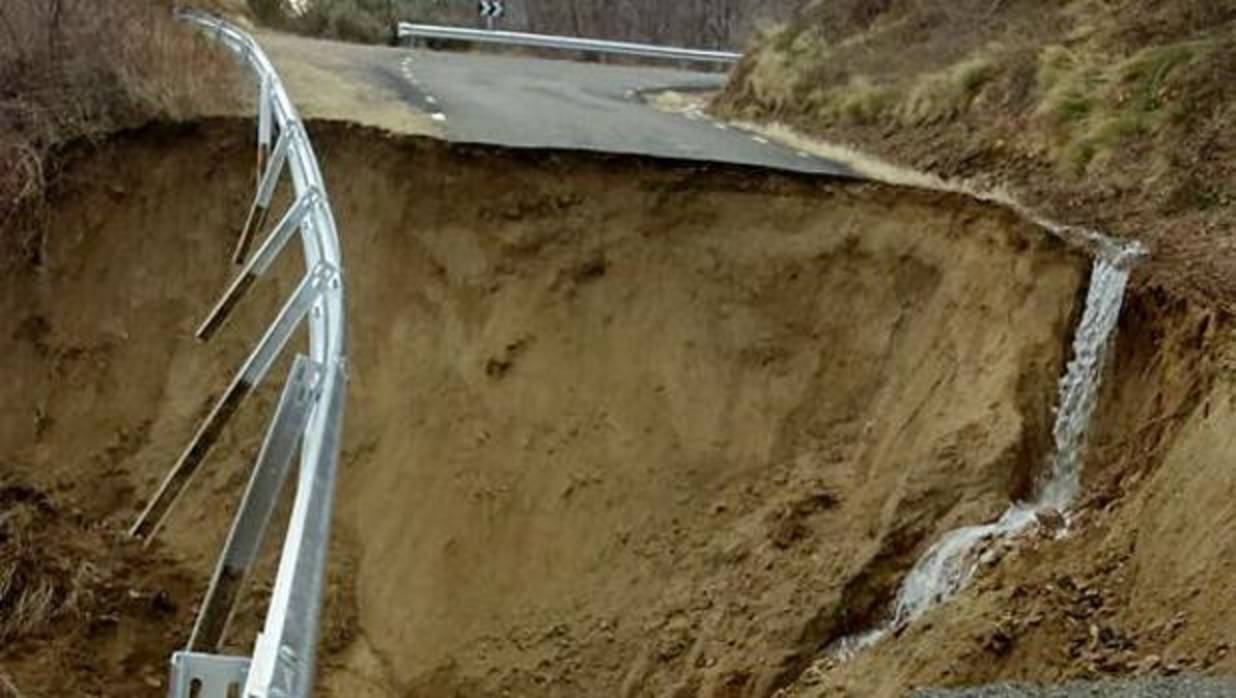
(408, 30)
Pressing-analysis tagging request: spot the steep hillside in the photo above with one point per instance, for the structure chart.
(1115, 115)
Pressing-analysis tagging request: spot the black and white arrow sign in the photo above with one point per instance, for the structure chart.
(492, 8)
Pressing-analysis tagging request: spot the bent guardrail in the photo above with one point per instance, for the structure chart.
(309, 415)
(408, 30)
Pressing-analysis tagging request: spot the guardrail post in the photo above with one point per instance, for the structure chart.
(269, 474)
(246, 380)
(261, 261)
(264, 125)
(265, 192)
(285, 652)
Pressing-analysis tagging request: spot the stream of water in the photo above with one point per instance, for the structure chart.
(951, 562)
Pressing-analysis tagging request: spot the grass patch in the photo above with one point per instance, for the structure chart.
(935, 97)
(858, 102)
(37, 588)
(1093, 109)
(947, 93)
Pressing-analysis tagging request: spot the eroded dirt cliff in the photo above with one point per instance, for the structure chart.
(616, 427)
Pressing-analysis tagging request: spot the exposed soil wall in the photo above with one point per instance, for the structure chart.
(616, 427)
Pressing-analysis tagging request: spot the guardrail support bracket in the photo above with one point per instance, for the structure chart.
(196, 675)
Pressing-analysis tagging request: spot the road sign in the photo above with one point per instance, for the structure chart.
(492, 8)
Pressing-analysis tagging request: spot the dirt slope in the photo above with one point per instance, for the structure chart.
(660, 431)
(636, 427)
(616, 427)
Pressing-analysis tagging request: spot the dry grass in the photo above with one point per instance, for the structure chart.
(8, 689)
(37, 588)
(946, 93)
(72, 69)
(873, 168)
(860, 101)
(776, 78)
(1093, 107)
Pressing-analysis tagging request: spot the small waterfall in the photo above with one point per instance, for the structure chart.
(951, 562)
(1079, 389)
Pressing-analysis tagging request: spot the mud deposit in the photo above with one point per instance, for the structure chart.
(616, 427)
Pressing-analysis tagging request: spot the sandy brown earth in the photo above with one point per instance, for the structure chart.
(616, 427)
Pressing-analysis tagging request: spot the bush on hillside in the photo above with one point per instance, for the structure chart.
(73, 69)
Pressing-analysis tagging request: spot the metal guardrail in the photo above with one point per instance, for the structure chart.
(408, 30)
(309, 415)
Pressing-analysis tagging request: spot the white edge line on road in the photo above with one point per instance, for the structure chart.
(760, 139)
(438, 116)
(720, 126)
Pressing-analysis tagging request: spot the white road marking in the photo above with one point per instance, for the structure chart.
(438, 116)
(720, 126)
(760, 139)
(804, 154)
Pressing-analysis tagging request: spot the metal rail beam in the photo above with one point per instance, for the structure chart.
(282, 664)
(408, 30)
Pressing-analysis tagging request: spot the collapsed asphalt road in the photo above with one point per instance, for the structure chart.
(522, 102)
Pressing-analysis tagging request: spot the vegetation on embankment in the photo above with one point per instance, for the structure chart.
(1116, 115)
(73, 69)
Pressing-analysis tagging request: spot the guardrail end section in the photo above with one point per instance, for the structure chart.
(196, 675)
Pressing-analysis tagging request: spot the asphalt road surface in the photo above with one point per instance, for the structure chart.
(540, 103)
(520, 102)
